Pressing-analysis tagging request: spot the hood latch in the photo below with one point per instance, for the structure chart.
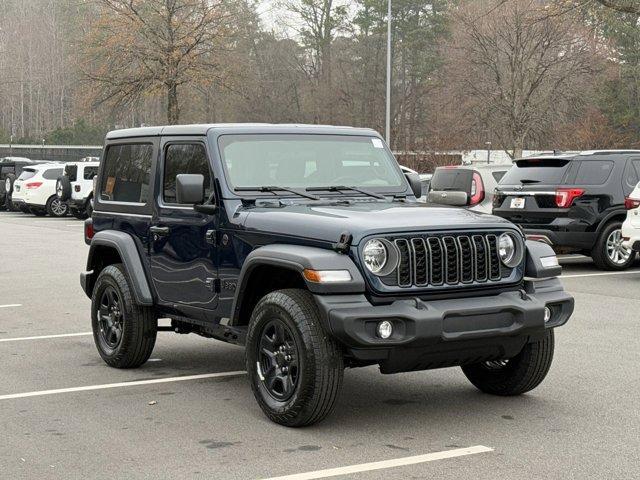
(344, 243)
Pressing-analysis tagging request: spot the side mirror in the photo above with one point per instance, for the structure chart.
(190, 188)
(414, 183)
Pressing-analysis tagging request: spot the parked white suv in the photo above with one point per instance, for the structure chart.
(35, 189)
(75, 187)
(631, 226)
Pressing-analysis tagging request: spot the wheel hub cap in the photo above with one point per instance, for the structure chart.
(110, 319)
(278, 360)
(616, 251)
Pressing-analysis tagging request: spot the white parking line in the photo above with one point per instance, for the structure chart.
(601, 274)
(396, 462)
(43, 337)
(11, 305)
(121, 384)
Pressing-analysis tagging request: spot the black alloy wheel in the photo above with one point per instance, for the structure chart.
(279, 369)
(110, 318)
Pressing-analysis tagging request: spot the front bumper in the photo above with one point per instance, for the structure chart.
(436, 333)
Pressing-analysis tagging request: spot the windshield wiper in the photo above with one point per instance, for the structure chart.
(340, 188)
(526, 181)
(273, 189)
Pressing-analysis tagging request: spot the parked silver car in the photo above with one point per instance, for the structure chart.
(466, 186)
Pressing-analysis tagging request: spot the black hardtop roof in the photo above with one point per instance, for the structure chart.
(203, 129)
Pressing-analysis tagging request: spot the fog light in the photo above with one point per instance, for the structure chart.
(547, 314)
(385, 329)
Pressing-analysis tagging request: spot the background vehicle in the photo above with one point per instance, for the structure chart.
(575, 202)
(631, 225)
(466, 186)
(425, 179)
(306, 245)
(10, 169)
(75, 187)
(35, 189)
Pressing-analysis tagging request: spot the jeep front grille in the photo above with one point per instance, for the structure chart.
(449, 259)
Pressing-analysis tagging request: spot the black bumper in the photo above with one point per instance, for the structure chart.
(438, 333)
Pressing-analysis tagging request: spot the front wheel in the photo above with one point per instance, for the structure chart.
(123, 331)
(517, 375)
(294, 367)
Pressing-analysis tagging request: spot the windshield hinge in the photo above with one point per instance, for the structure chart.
(344, 243)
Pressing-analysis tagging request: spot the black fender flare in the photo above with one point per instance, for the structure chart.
(124, 244)
(535, 252)
(608, 217)
(298, 258)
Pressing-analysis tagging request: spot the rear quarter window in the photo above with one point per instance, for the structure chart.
(594, 172)
(126, 173)
(90, 172)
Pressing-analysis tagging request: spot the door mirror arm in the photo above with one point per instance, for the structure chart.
(208, 208)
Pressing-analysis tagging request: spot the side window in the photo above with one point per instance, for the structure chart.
(90, 172)
(52, 173)
(126, 173)
(184, 158)
(593, 172)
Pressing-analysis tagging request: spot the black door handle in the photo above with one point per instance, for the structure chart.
(159, 231)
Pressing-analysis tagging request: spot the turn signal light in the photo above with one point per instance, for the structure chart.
(566, 196)
(631, 203)
(326, 276)
(32, 185)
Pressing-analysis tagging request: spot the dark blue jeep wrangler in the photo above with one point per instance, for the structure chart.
(306, 245)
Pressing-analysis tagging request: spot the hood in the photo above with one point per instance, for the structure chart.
(327, 221)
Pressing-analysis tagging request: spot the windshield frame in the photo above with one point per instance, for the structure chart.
(229, 188)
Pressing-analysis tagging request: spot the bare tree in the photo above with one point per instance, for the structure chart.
(524, 72)
(140, 47)
(624, 6)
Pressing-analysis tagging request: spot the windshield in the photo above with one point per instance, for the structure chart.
(299, 161)
(536, 171)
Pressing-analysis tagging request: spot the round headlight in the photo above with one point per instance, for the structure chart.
(509, 250)
(374, 255)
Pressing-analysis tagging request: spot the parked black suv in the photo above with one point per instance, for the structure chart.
(576, 202)
(306, 245)
(10, 169)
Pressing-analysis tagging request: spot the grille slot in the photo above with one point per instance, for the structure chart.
(404, 265)
(448, 260)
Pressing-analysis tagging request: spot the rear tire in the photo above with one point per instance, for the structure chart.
(294, 366)
(79, 214)
(123, 331)
(517, 375)
(56, 207)
(608, 253)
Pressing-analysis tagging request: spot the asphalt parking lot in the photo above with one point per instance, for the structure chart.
(189, 412)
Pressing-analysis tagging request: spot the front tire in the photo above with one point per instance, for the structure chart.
(517, 375)
(294, 367)
(123, 331)
(609, 253)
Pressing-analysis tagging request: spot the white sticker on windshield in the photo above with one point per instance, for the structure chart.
(377, 143)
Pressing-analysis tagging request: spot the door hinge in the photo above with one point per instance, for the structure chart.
(211, 237)
(212, 284)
